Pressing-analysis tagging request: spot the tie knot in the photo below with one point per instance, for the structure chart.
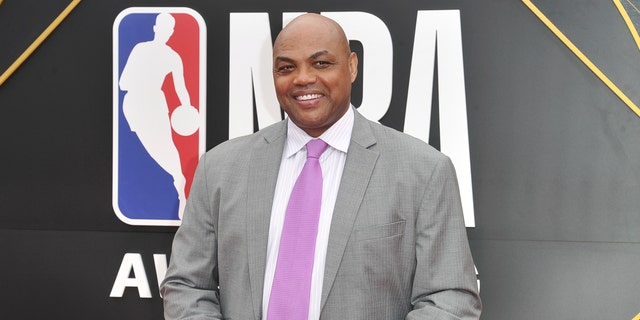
(315, 148)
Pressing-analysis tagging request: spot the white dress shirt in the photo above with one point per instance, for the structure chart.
(332, 162)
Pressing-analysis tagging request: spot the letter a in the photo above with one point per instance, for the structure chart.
(139, 280)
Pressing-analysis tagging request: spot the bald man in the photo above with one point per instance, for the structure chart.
(390, 240)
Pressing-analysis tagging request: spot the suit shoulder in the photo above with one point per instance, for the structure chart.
(392, 140)
(239, 147)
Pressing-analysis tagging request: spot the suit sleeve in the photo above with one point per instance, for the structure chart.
(444, 285)
(190, 287)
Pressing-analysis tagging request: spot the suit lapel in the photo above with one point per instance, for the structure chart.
(357, 172)
(263, 174)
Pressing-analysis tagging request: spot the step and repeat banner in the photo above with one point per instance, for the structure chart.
(535, 101)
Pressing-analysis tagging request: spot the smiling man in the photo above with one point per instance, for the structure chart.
(325, 215)
(313, 72)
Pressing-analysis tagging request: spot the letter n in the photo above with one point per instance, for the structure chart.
(250, 71)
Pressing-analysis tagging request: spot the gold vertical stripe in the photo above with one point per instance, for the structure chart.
(13, 67)
(582, 57)
(627, 20)
(637, 317)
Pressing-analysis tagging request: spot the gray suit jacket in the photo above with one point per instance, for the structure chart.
(397, 245)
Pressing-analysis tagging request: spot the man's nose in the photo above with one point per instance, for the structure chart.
(305, 76)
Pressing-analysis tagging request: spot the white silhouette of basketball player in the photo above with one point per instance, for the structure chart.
(145, 106)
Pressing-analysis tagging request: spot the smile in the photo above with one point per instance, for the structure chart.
(307, 97)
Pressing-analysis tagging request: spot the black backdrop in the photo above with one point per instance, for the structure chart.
(554, 154)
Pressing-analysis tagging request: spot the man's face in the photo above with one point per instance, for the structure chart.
(313, 72)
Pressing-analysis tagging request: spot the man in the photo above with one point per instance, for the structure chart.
(390, 243)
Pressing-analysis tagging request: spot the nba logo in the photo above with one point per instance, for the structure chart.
(158, 112)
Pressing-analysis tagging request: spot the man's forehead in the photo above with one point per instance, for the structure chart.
(291, 56)
(309, 38)
(308, 47)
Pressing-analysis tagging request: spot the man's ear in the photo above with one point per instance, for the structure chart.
(353, 66)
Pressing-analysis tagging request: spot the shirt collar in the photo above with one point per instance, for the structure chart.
(337, 136)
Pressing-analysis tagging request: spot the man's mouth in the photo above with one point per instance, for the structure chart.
(307, 97)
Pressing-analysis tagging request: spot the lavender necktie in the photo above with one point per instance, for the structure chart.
(291, 287)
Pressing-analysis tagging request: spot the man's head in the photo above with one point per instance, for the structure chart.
(313, 69)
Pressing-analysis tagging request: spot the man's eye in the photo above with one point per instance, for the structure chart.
(321, 64)
(286, 68)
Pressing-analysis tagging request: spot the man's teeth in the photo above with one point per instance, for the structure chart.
(308, 97)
